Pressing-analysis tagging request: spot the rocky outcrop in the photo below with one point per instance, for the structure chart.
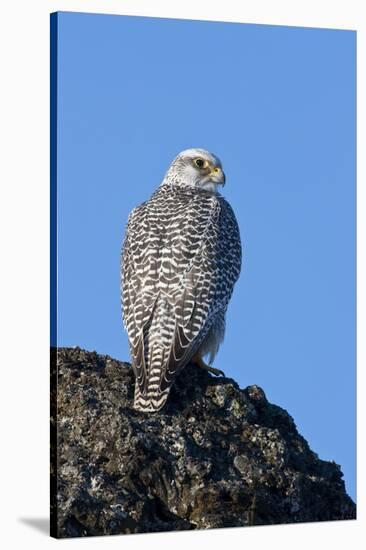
(214, 456)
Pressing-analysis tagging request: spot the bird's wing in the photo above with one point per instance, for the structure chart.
(209, 268)
(138, 294)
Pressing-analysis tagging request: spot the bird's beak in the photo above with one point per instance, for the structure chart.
(218, 175)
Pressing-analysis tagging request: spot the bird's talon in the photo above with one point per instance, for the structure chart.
(200, 363)
(219, 372)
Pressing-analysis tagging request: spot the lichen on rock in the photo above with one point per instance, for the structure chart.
(214, 456)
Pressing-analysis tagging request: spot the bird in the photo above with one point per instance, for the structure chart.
(180, 259)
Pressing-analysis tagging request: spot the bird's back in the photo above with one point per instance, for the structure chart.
(181, 251)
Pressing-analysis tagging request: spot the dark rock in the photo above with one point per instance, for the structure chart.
(215, 456)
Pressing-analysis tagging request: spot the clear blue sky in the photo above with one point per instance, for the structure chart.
(277, 105)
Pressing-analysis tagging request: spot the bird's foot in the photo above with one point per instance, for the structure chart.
(202, 365)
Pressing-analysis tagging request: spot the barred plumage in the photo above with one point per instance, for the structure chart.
(181, 258)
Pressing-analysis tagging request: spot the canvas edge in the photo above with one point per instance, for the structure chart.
(53, 275)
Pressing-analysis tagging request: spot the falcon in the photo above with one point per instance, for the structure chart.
(181, 257)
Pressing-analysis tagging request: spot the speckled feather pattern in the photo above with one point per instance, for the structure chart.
(181, 258)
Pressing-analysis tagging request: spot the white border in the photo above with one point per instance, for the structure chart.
(24, 48)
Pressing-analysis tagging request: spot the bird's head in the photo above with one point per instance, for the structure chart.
(196, 168)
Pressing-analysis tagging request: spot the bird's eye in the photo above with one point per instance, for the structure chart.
(200, 163)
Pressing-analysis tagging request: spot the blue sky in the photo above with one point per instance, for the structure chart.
(277, 105)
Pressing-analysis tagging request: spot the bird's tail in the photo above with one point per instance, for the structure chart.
(149, 402)
(150, 398)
